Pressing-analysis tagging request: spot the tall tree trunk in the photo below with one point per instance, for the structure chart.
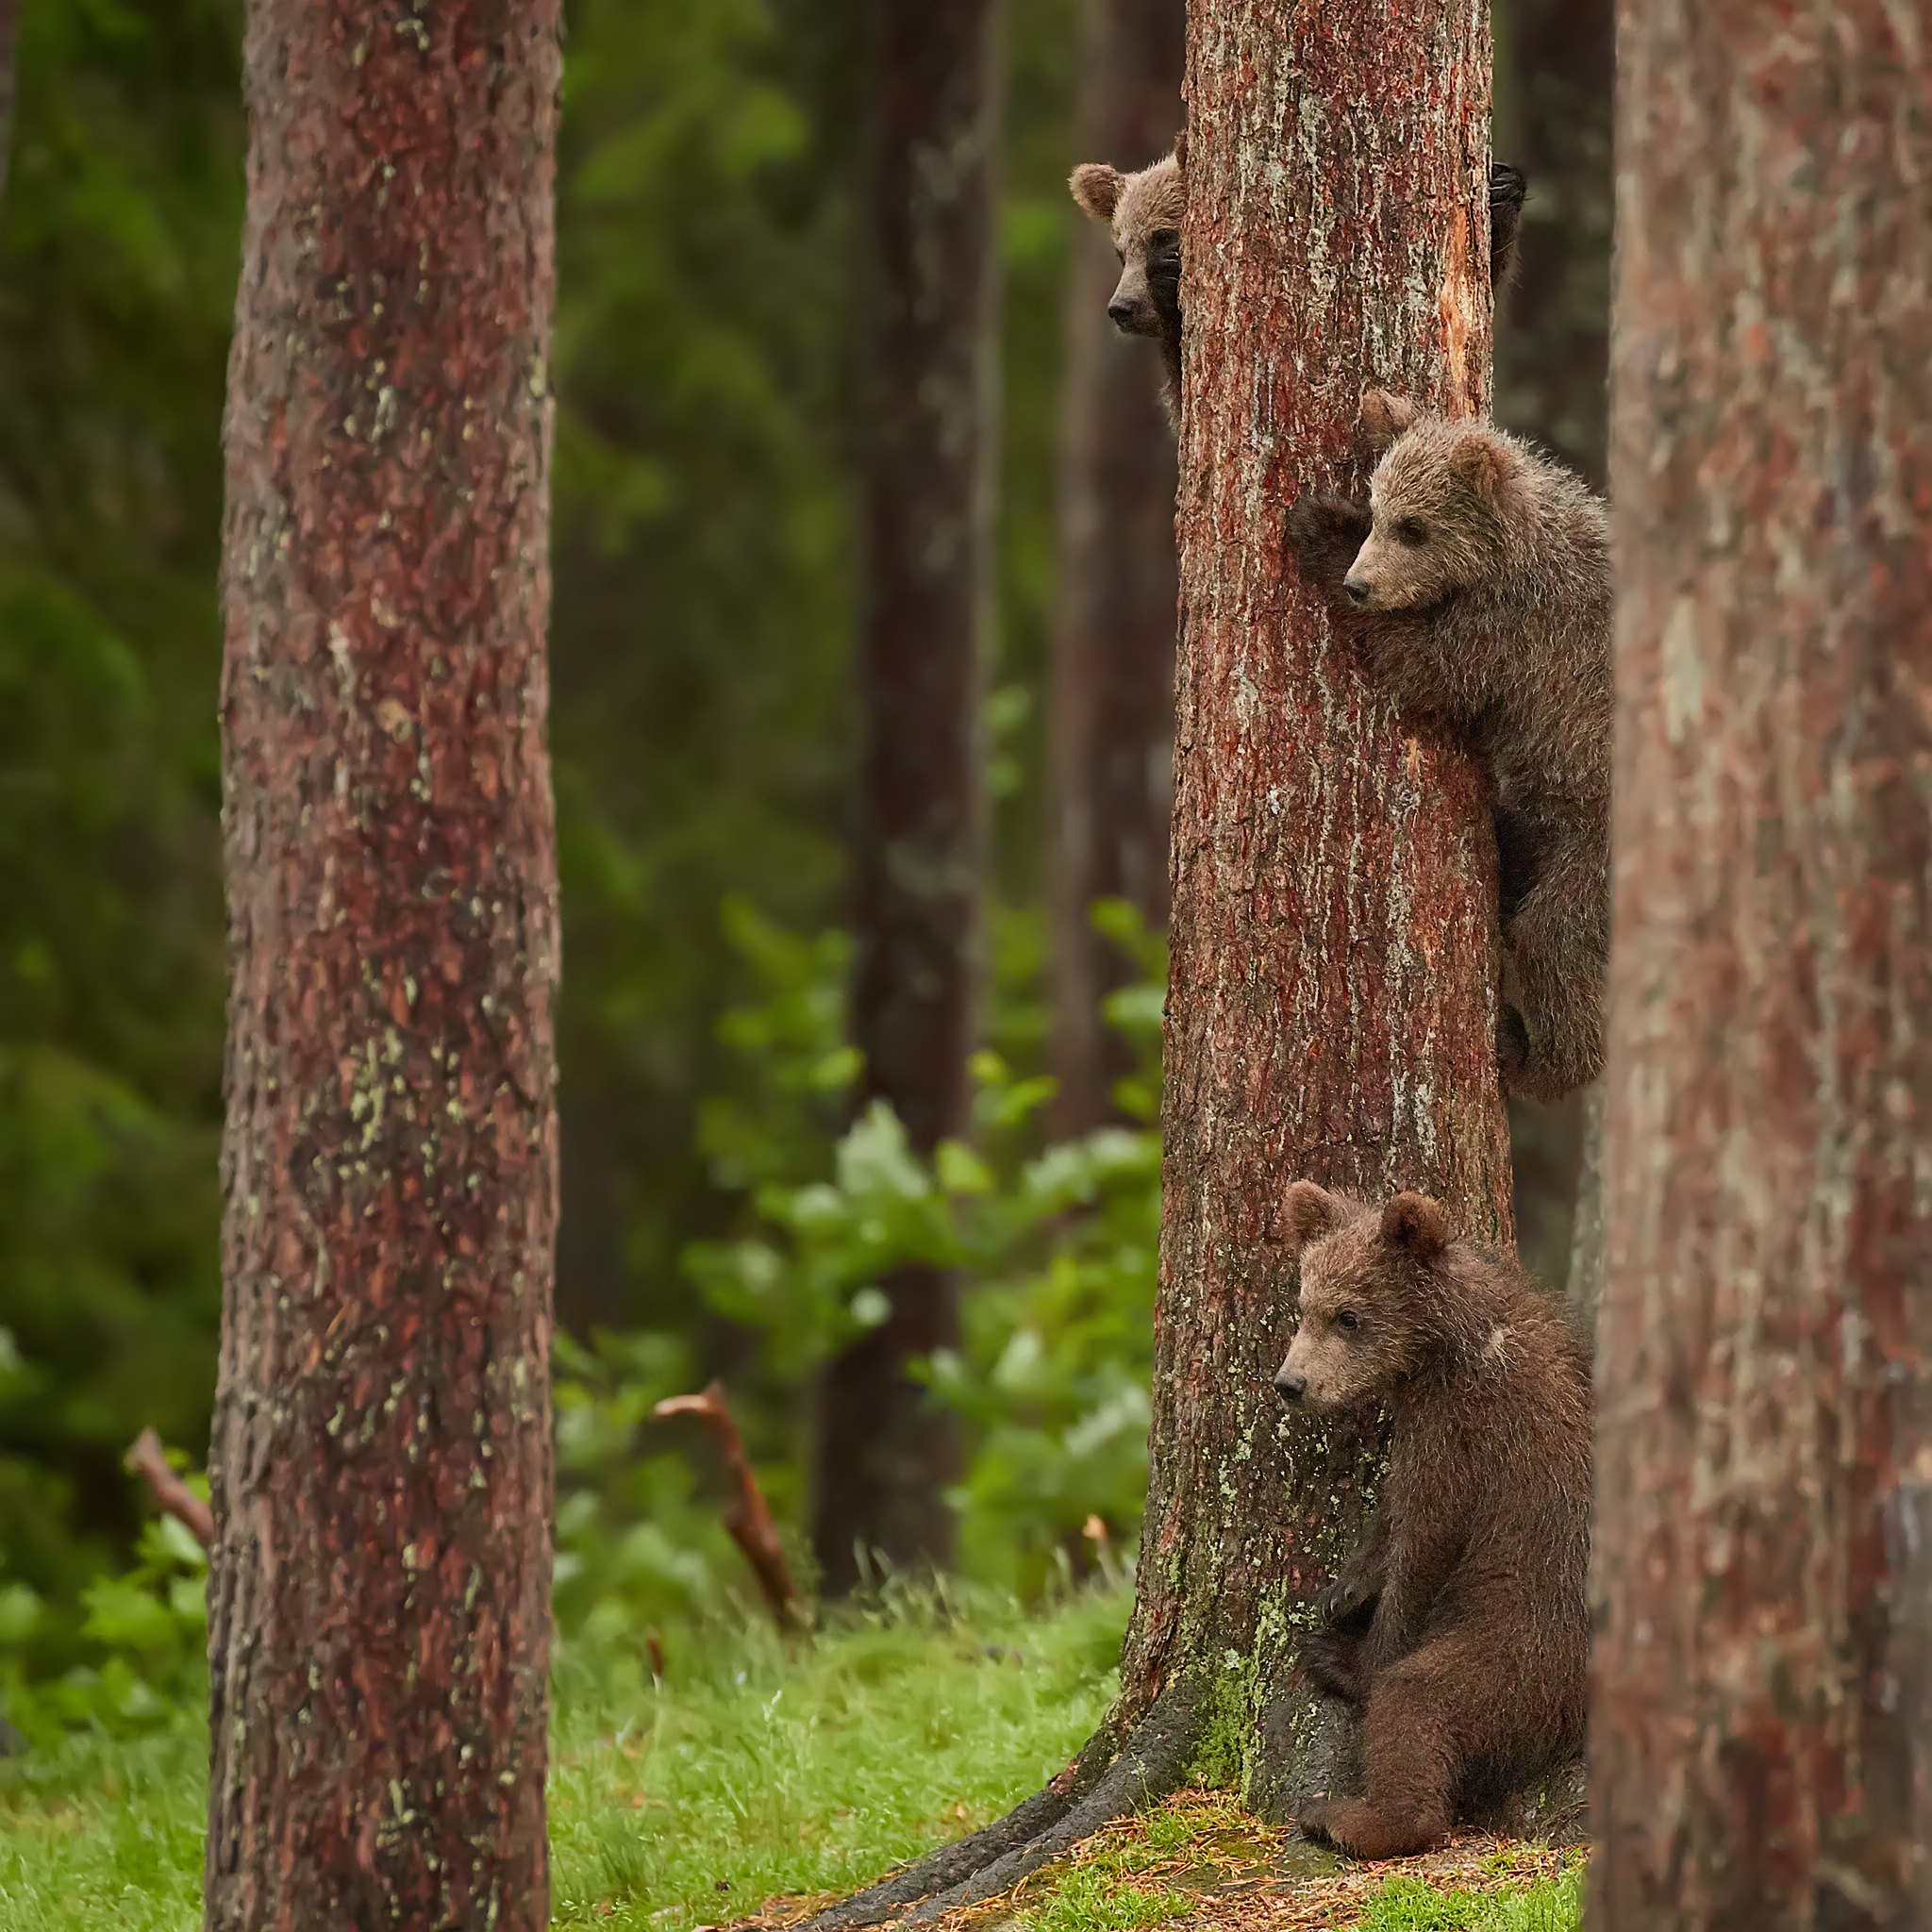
(1331, 1003)
(1331, 1010)
(886, 1452)
(1761, 1739)
(1111, 730)
(1555, 90)
(379, 1599)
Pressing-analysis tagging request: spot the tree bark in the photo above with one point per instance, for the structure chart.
(886, 1452)
(1110, 728)
(381, 1471)
(1331, 1009)
(1762, 1731)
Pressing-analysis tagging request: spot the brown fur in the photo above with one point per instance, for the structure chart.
(1143, 212)
(1461, 1628)
(1476, 588)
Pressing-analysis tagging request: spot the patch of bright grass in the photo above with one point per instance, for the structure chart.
(1408, 1904)
(764, 1770)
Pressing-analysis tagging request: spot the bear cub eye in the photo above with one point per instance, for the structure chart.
(1413, 532)
(1347, 1319)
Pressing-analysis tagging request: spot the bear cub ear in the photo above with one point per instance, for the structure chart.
(1386, 417)
(1416, 1223)
(1097, 188)
(1487, 464)
(1312, 1213)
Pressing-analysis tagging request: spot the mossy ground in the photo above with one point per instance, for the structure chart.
(757, 1775)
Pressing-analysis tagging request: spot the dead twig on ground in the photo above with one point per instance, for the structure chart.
(747, 1515)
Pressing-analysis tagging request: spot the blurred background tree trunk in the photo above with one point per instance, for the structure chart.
(1110, 696)
(885, 1450)
(1556, 74)
(1331, 1003)
(380, 1600)
(1761, 1740)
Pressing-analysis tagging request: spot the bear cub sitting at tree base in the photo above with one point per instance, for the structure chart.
(1144, 209)
(1475, 588)
(1461, 1628)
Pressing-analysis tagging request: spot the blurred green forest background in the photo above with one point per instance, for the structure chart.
(715, 1222)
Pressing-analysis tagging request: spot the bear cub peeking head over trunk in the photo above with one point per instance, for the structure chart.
(1144, 211)
(1461, 1628)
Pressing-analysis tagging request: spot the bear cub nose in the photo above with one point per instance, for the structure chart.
(1120, 314)
(1358, 590)
(1291, 1387)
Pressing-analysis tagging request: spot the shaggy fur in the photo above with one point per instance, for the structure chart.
(1475, 587)
(1461, 1628)
(1144, 211)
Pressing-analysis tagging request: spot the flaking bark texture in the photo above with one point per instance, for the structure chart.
(381, 1464)
(1331, 1008)
(885, 1450)
(1110, 728)
(1761, 1736)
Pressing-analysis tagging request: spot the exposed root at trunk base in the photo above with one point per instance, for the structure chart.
(1103, 1783)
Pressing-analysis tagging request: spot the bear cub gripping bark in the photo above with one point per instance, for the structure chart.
(1144, 211)
(1461, 1628)
(1475, 588)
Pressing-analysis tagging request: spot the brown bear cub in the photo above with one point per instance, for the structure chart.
(1144, 211)
(1475, 588)
(1461, 1628)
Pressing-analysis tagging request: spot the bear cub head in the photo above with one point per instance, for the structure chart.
(1446, 501)
(1144, 211)
(1368, 1296)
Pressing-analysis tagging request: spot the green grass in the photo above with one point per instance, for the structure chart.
(1408, 1904)
(749, 1771)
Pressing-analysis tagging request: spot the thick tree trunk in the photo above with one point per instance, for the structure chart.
(380, 1600)
(1761, 1739)
(886, 1452)
(1331, 1009)
(1110, 730)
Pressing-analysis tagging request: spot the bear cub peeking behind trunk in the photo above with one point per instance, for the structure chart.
(1460, 1630)
(1475, 588)
(1143, 212)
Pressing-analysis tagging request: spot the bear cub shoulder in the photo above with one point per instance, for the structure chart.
(1475, 587)
(1461, 1628)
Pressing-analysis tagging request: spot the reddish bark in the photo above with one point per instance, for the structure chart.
(747, 1515)
(885, 1451)
(1331, 1008)
(379, 1593)
(1761, 1739)
(147, 1459)
(1111, 726)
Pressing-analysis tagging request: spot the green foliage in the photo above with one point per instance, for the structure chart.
(751, 1765)
(117, 265)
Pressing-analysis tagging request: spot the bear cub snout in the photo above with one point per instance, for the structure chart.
(1459, 1630)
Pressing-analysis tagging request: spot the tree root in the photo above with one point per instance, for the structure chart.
(1103, 1783)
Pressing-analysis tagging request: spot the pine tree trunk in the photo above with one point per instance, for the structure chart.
(1331, 1007)
(1111, 730)
(1761, 1739)
(379, 1599)
(886, 1452)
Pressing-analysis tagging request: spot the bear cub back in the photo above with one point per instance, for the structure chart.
(1460, 1627)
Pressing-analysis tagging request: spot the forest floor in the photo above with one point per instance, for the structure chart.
(760, 1779)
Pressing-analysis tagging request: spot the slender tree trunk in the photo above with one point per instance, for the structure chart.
(380, 1600)
(1111, 730)
(1555, 90)
(1762, 1730)
(10, 83)
(885, 1451)
(1331, 1010)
